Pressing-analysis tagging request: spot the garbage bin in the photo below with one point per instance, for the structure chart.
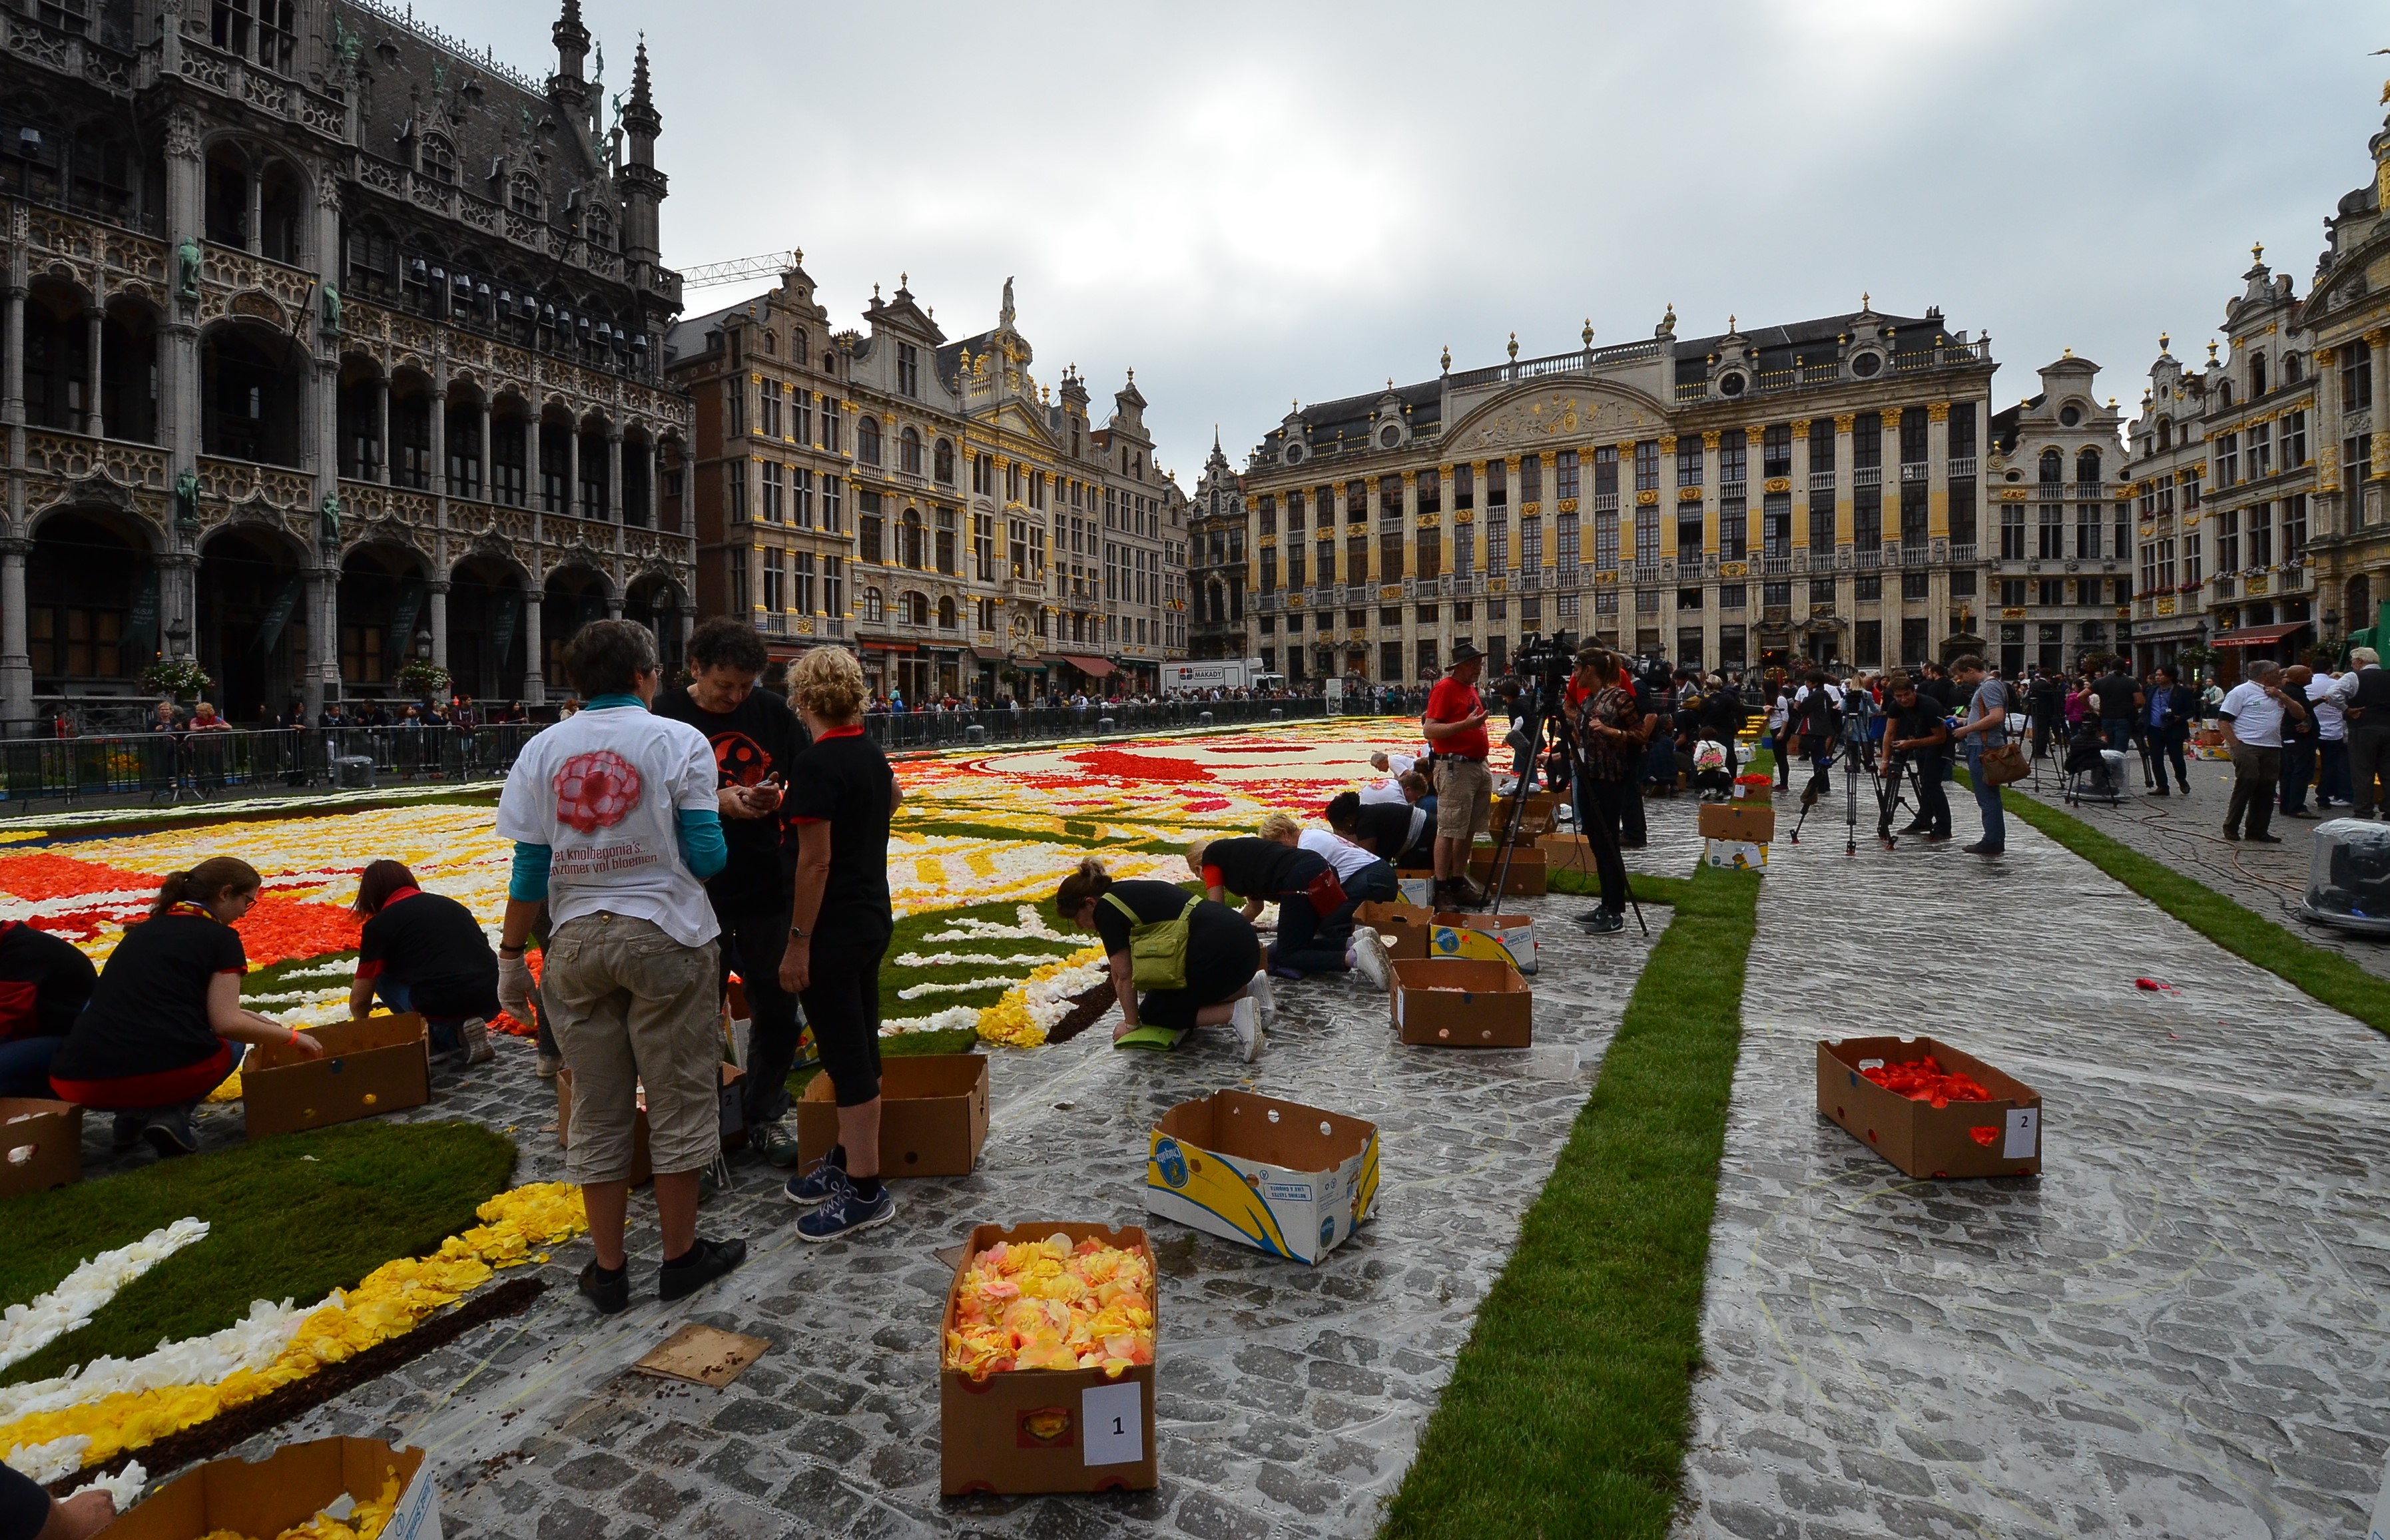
(1202, 719)
(353, 772)
(974, 733)
(1277, 715)
(2349, 881)
(1104, 725)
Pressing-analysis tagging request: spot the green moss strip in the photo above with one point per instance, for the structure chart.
(2316, 971)
(1568, 1409)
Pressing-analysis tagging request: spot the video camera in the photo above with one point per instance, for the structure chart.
(1547, 660)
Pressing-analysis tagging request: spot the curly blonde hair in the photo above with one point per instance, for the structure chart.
(827, 682)
(1281, 827)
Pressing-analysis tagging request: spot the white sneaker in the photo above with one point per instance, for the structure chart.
(1369, 958)
(474, 1034)
(1247, 1020)
(1262, 994)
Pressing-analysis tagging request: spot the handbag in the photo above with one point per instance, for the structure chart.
(1157, 949)
(1327, 894)
(2000, 765)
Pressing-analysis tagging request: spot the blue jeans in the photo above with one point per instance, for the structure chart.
(2118, 730)
(25, 1066)
(2333, 785)
(1987, 798)
(2298, 772)
(443, 1030)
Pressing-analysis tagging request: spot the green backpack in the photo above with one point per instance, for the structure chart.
(1157, 949)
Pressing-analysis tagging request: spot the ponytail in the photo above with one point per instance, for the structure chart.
(204, 884)
(1082, 888)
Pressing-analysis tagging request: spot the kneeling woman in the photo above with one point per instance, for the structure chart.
(164, 1026)
(425, 953)
(1224, 958)
(1299, 882)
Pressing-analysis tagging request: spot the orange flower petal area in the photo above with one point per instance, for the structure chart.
(1048, 1304)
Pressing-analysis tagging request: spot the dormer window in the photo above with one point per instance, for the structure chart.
(522, 197)
(439, 159)
(263, 32)
(908, 369)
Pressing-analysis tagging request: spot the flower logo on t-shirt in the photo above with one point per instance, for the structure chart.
(740, 760)
(595, 791)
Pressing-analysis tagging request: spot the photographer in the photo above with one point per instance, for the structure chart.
(1608, 730)
(1815, 725)
(1916, 736)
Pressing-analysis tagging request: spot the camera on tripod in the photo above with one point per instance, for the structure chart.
(1547, 660)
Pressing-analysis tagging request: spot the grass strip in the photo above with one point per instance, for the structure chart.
(2314, 970)
(293, 1217)
(1567, 1410)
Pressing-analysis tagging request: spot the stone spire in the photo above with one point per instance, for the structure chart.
(571, 51)
(643, 186)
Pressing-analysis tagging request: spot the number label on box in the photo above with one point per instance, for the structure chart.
(2024, 1134)
(1113, 1418)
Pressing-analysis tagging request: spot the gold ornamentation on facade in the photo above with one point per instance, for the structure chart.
(1777, 483)
(1667, 444)
(1646, 497)
(1710, 438)
(1937, 411)
(2013, 613)
(1463, 516)
(2014, 495)
(1842, 421)
(1689, 494)
(1568, 505)
(1734, 568)
(1530, 510)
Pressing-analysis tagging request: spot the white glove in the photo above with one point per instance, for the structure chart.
(514, 988)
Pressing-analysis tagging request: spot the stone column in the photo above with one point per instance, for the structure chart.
(320, 679)
(652, 470)
(1754, 494)
(94, 420)
(614, 477)
(438, 606)
(534, 688)
(1937, 473)
(1799, 538)
(1843, 489)
(439, 435)
(488, 490)
(16, 661)
(385, 473)
(572, 471)
(1668, 549)
(12, 374)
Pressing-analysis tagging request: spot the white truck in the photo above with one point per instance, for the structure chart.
(1220, 673)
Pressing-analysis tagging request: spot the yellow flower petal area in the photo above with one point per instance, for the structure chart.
(1046, 1304)
(393, 1300)
(228, 1091)
(1030, 1008)
(927, 872)
(368, 1520)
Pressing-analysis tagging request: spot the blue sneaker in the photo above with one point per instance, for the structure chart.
(817, 1183)
(845, 1212)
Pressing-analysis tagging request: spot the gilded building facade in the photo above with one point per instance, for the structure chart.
(2061, 571)
(331, 342)
(2169, 467)
(926, 502)
(1807, 491)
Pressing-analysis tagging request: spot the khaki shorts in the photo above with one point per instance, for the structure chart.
(1464, 799)
(632, 1007)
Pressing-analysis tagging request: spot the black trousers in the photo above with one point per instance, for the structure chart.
(1932, 804)
(842, 1002)
(753, 936)
(1601, 807)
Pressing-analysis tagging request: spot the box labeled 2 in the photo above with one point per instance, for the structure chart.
(2000, 1138)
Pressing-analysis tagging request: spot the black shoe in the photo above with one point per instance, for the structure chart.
(126, 1133)
(703, 1263)
(1981, 849)
(170, 1135)
(611, 1295)
(1601, 923)
(2232, 834)
(2160, 792)
(2266, 838)
(1912, 829)
(1933, 838)
(2300, 813)
(2186, 788)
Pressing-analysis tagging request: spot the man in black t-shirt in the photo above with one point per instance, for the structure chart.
(2119, 699)
(756, 739)
(1915, 734)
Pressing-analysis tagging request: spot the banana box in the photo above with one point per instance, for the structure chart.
(1742, 856)
(1496, 938)
(1290, 1180)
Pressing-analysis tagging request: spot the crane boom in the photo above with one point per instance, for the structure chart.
(771, 265)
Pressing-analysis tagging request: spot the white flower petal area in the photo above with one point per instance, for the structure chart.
(25, 1329)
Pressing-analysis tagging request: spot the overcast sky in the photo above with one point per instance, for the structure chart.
(1250, 205)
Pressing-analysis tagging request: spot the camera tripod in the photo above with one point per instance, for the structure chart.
(1900, 767)
(1857, 755)
(1539, 703)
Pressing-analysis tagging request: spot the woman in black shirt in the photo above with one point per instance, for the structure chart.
(425, 953)
(1266, 871)
(45, 984)
(840, 797)
(165, 1026)
(1224, 958)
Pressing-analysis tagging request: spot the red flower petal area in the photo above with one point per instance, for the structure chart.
(40, 875)
(1924, 1080)
(595, 791)
(284, 929)
(1120, 764)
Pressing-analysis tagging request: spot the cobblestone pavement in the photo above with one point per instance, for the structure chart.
(1290, 1398)
(2188, 834)
(2179, 1330)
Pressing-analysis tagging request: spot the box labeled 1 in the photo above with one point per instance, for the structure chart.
(1463, 1003)
(1290, 1180)
(1030, 1431)
(370, 1066)
(2000, 1138)
(286, 1489)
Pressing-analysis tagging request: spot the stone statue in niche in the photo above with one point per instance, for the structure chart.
(186, 268)
(186, 499)
(331, 521)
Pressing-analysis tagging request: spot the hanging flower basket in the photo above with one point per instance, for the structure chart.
(422, 677)
(179, 678)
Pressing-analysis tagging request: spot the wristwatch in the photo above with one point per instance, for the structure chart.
(800, 933)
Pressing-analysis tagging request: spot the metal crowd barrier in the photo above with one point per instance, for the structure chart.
(185, 766)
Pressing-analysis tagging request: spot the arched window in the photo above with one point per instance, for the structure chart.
(943, 462)
(2224, 394)
(2294, 369)
(2053, 465)
(2086, 467)
(910, 550)
(946, 620)
(2166, 432)
(875, 607)
(2256, 374)
(523, 196)
(439, 159)
(597, 229)
(909, 452)
(916, 610)
(797, 344)
(771, 343)
(866, 438)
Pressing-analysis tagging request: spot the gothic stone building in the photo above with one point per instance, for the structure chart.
(926, 502)
(1798, 492)
(330, 343)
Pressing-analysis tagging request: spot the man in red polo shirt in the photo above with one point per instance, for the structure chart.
(1454, 724)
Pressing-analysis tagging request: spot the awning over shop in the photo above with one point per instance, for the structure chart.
(1093, 668)
(989, 655)
(873, 643)
(2259, 635)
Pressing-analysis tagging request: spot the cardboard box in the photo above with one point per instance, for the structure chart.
(1566, 852)
(2000, 1138)
(734, 1120)
(1741, 824)
(1759, 793)
(376, 1065)
(1463, 1003)
(1499, 938)
(1029, 1431)
(1537, 821)
(1282, 1177)
(1734, 856)
(932, 1115)
(40, 1145)
(1403, 927)
(1528, 872)
(1418, 888)
(288, 1488)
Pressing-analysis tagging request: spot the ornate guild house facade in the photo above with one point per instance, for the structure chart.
(1798, 492)
(331, 344)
